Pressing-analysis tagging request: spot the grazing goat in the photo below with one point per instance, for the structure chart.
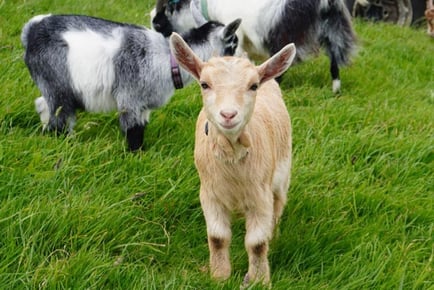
(429, 14)
(269, 25)
(82, 62)
(242, 151)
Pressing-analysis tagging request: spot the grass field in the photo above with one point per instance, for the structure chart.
(80, 212)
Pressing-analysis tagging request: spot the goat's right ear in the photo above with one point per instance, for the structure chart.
(185, 56)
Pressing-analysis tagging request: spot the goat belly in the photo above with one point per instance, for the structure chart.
(235, 186)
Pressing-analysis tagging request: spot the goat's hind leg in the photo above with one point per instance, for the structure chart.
(43, 110)
(54, 116)
(334, 70)
(280, 199)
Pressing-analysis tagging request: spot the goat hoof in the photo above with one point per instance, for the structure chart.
(246, 282)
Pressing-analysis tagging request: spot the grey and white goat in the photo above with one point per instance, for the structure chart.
(82, 62)
(269, 25)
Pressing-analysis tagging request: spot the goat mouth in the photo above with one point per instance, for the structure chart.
(228, 126)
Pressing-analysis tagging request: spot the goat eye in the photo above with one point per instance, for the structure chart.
(254, 87)
(204, 85)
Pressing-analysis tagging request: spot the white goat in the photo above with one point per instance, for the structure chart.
(242, 151)
(269, 25)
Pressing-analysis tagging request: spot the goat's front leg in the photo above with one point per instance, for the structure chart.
(132, 125)
(219, 236)
(259, 227)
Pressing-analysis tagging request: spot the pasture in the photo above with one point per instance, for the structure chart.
(81, 212)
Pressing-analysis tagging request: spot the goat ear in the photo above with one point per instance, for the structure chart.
(161, 5)
(185, 56)
(199, 19)
(277, 64)
(230, 39)
(230, 29)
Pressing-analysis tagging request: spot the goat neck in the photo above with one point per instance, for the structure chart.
(229, 149)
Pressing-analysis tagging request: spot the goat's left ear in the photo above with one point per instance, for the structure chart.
(185, 56)
(231, 28)
(277, 64)
(230, 39)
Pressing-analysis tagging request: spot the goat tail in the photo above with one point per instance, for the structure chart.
(336, 31)
(26, 28)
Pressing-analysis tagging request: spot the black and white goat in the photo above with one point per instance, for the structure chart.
(269, 25)
(82, 62)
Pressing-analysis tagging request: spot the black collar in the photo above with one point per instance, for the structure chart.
(176, 73)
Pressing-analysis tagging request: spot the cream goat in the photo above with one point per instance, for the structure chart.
(242, 152)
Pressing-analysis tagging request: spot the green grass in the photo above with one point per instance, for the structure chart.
(360, 213)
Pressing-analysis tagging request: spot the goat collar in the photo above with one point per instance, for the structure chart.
(176, 73)
(204, 9)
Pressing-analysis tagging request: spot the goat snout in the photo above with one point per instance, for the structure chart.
(228, 115)
(228, 120)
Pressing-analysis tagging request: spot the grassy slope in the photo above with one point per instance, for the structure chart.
(360, 212)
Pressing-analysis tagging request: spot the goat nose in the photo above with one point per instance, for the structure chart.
(227, 114)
